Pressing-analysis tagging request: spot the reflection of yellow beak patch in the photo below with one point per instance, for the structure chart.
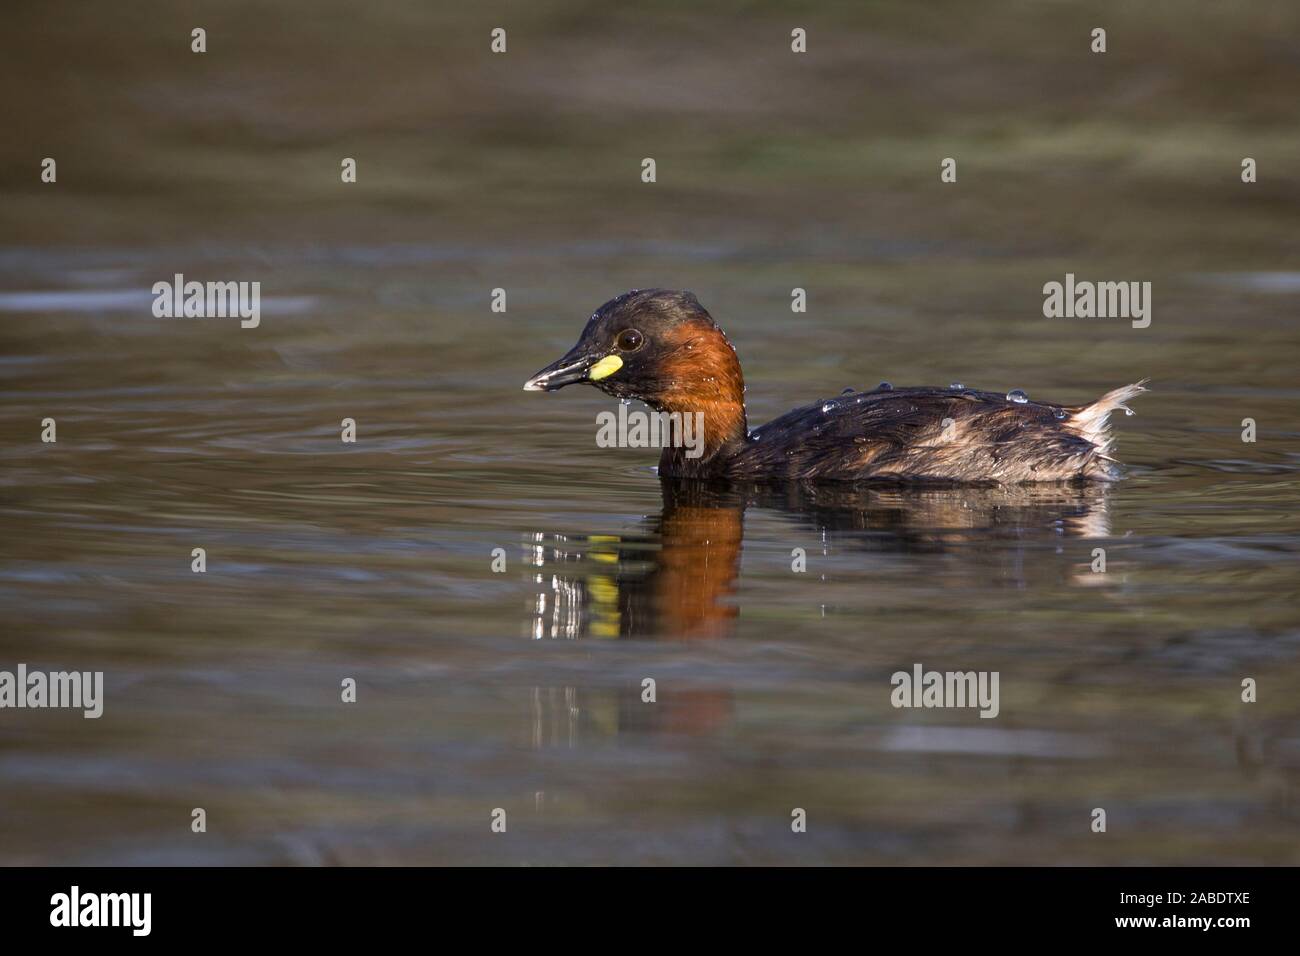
(605, 368)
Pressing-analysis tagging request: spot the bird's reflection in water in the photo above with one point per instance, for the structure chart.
(675, 579)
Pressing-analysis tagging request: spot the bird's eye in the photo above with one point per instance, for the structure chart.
(629, 340)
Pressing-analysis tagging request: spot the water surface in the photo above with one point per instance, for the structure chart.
(522, 690)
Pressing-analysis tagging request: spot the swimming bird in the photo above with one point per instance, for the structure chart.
(663, 348)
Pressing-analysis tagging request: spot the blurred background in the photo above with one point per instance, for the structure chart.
(522, 690)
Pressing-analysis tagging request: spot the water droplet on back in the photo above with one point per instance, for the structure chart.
(956, 386)
(1018, 396)
(830, 406)
(884, 387)
(1059, 413)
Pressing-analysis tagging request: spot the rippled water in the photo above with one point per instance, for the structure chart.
(522, 690)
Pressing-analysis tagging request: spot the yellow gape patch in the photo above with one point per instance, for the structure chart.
(605, 368)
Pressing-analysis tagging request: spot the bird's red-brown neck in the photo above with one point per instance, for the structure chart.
(701, 373)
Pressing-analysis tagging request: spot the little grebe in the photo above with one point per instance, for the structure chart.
(663, 348)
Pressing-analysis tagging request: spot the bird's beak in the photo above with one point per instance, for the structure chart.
(578, 366)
